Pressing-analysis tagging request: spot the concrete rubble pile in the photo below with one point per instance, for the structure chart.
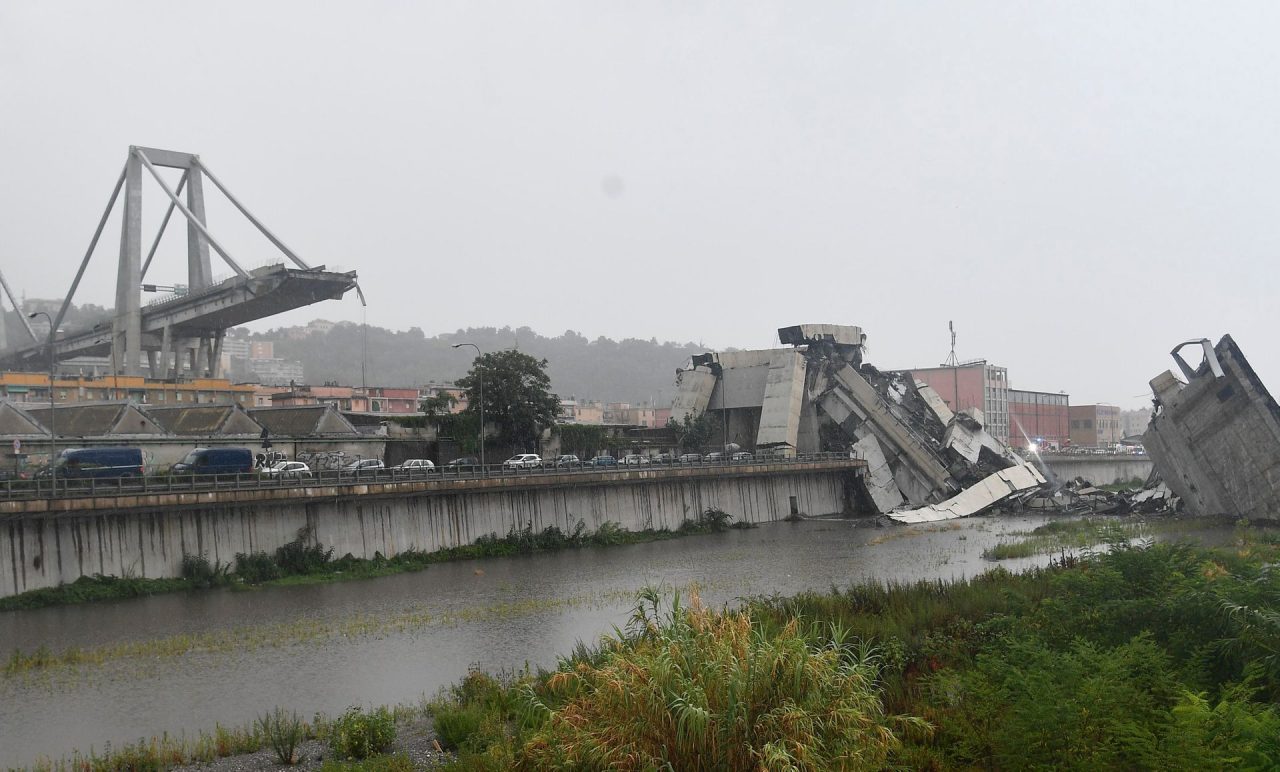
(924, 461)
(1079, 496)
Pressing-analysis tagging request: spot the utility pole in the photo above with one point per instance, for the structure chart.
(53, 430)
(480, 376)
(955, 369)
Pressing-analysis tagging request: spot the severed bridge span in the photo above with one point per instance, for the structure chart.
(181, 335)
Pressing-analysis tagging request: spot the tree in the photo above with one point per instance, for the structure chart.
(517, 396)
(438, 404)
(696, 433)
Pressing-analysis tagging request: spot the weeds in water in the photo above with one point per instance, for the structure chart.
(283, 733)
(158, 753)
(90, 588)
(1073, 534)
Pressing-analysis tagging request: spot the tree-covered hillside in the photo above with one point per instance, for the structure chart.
(629, 370)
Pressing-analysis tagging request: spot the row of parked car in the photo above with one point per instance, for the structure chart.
(117, 462)
(569, 461)
(125, 462)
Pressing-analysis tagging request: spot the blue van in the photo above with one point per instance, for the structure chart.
(86, 463)
(215, 461)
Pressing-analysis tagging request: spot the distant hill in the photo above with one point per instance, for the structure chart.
(629, 370)
(78, 318)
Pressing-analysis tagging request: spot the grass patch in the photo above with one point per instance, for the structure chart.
(1060, 536)
(279, 730)
(88, 589)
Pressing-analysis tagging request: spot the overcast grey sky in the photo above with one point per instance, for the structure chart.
(1078, 185)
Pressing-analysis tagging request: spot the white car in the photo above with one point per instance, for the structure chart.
(417, 464)
(288, 470)
(364, 465)
(523, 461)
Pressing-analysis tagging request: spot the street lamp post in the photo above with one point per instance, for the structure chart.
(480, 375)
(53, 431)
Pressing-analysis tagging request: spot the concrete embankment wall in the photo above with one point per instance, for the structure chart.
(1100, 470)
(40, 549)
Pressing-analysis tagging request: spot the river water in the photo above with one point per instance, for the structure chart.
(181, 663)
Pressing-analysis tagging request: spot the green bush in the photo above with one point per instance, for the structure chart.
(609, 533)
(256, 567)
(474, 712)
(359, 735)
(715, 691)
(197, 570)
(715, 519)
(297, 557)
(284, 732)
(456, 724)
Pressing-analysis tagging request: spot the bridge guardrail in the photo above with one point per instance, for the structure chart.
(41, 488)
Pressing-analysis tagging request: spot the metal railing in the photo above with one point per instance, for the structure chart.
(43, 488)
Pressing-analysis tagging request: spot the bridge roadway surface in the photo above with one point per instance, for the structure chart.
(78, 497)
(240, 299)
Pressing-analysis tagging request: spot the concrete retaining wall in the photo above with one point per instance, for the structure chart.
(43, 550)
(1100, 470)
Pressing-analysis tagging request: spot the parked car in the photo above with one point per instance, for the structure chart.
(635, 459)
(416, 465)
(364, 465)
(464, 465)
(691, 458)
(523, 461)
(288, 470)
(568, 461)
(86, 463)
(604, 459)
(742, 457)
(715, 457)
(210, 461)
(664, 458)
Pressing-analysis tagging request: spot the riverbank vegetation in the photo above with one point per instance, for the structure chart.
(1163, 657)
(1139, 657)
(359, 739)
(304, 561)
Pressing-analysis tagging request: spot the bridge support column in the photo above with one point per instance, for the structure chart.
(127, 341)
(199, 270)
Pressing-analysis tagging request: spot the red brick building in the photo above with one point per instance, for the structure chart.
(1038, 416)
(973, 384)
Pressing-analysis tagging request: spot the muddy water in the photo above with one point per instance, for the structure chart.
(181, 663)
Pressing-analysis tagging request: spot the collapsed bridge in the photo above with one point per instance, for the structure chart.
(925, 462)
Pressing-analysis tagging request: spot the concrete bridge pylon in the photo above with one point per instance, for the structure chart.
(182, 336)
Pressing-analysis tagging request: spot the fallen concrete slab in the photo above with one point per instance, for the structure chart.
(976, 498)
